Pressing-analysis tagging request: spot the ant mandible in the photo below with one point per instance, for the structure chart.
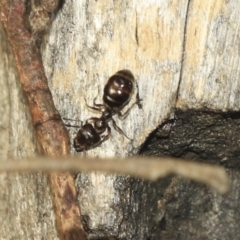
(117, 94)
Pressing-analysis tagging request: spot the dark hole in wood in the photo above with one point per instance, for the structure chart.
(176, 208)
(211, 137)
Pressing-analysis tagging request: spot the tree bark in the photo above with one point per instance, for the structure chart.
(183, 54)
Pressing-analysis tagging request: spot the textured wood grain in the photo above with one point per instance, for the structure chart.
(51, 134)
(210, 77)
(26, 208)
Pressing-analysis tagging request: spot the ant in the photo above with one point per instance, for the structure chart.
(117, 94)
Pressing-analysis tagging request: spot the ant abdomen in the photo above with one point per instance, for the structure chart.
(119, 89)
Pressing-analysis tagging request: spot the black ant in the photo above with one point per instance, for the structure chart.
(117, 94)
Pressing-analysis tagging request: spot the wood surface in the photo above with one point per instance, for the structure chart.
(184, 54)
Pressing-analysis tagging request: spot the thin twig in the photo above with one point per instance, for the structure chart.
(17, 17)
(146, 168)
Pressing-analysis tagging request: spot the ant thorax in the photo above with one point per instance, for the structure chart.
(107, 114)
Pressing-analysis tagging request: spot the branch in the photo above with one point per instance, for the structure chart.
(146, 168)
(25, 25)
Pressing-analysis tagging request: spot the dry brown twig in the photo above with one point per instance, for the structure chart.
(146, 168)
(25, 25)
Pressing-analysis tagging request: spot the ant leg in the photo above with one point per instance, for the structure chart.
(124, 115)
(101, 106)
(119, 129)
(81, 150)
(69, 119)
(69, 125)
(92, 120)
(106, 137)
(76, 146)
(97, 107)
(75, 126)
(78, 149)
(138, 102)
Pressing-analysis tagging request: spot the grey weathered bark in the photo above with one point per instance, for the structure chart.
(184, 55)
